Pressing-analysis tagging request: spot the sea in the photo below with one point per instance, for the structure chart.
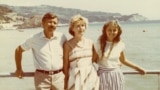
(142, 47)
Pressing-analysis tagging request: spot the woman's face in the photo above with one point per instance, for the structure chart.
(79, 28)
(111, 32)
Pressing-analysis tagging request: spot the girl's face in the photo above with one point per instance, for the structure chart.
(111, 31)
(79, 28)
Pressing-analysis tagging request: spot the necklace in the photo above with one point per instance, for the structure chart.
(110, 49)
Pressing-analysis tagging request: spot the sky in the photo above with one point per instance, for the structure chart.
(146, 8)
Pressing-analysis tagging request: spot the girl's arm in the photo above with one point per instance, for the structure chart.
(130, 64)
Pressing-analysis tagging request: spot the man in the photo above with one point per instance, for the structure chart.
(47, 52)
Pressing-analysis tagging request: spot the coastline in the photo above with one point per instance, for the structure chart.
(15, 25)
(8, 26)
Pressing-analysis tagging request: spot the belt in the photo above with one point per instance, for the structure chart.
(49, 72)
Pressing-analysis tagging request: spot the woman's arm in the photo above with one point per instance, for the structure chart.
(66, 50)
(130, 64)
(95, 55)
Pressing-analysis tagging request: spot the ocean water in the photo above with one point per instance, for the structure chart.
(142, 48)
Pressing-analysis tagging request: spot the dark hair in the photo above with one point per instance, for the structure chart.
(49, 16)
(103, 37)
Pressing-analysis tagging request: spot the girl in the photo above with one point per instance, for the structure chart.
(110, 51)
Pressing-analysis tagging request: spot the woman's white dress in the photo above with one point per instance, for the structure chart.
(82, 74)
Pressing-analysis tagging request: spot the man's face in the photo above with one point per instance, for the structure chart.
(50, 25)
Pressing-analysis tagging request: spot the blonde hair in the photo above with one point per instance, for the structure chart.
(76, 19)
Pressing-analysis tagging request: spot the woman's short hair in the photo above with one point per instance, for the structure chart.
(76, 19)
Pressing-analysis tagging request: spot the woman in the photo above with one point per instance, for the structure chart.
(78, 51)
(110, 51)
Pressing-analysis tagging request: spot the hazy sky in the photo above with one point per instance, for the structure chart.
(147, 8)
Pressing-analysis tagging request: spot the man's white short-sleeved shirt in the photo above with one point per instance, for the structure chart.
(47, 53)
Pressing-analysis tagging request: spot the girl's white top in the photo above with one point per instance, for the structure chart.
(113, 60)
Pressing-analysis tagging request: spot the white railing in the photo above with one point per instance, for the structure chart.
(31, 74)
(157, 72)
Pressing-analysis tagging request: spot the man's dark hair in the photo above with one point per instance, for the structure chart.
(49, 16)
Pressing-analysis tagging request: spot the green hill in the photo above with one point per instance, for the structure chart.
(30, 16)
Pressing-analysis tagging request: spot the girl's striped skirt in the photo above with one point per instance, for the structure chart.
(111, 78)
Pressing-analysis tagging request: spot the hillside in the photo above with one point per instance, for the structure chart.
(30, 17)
